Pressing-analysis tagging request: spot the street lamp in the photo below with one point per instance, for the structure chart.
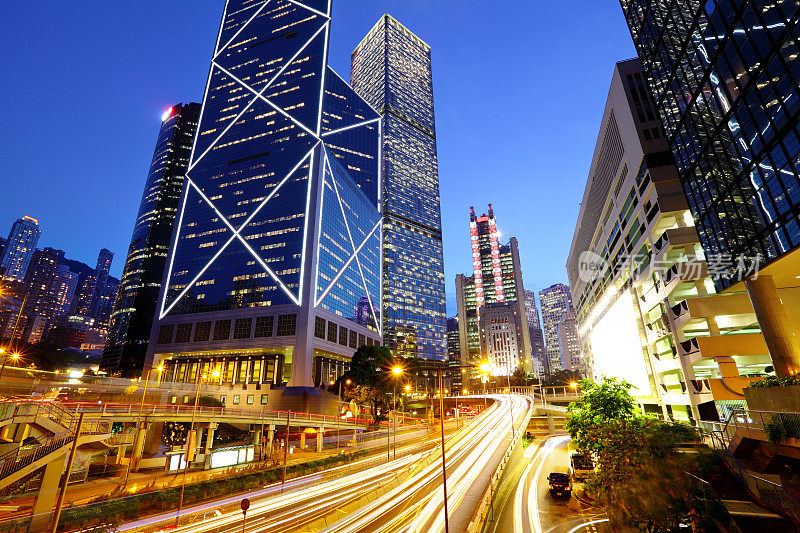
(189, 436)
(485, 368)
(396, 371)
(14, 357)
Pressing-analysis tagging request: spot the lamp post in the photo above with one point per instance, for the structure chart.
(160, 369)
(444, 462)
(485, 368)
(189, 443)
(403, 410)
(396, 371)
(13, 357)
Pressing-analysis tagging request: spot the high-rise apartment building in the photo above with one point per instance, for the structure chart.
(569, 344)
(555, 301)
(41, 301)
(19, 248)
(279, 227)
(135, 306)
(538, 354)
(644, 293)
(90, 288)
(391, 69)
(496, 279)
(65, 283)
(725, 80)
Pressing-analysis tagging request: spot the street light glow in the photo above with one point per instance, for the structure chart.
(486, 368)
(397, 370)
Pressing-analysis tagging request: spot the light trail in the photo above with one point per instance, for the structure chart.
(419, 498)
(533, 523)
(589, 523)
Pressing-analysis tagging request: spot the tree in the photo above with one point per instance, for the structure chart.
(608, 400)
(641, 476)
(371, 378)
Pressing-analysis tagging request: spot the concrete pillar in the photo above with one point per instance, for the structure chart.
(551, 425)
(152, 441)
(21, 432)
(781, 339)
(320, 433)
(302, 440)
(46, 497)
(727, 367)
(120, 457)
(211, 431)
(138, 446)
(270, 439)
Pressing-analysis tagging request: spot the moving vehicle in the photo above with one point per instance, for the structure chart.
(580, 466)
(560, 481)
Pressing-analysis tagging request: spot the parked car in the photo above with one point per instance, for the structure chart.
(580, 466)
(560, 481)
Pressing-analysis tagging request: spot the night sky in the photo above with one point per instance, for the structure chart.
(520, 87)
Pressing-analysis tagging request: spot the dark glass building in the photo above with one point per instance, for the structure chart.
(135, 306)
(391, 69)
(726, 81)
(279, 227)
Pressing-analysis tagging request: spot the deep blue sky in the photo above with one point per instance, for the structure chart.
(520, 87)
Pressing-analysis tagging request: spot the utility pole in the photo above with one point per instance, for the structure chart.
(63, 491)
(285, 452)
(444, 462)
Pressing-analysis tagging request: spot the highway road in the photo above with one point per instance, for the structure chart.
(531, 509)
(402, 495)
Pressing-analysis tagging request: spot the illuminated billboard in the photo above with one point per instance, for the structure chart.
(617, 348)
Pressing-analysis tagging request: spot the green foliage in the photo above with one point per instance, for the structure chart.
(641, 478)
(608, 400)
(783, 426)
(775, 381)
(371, 378)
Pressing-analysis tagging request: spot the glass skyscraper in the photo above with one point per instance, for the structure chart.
(556, 300)
(391, 69)
(277, 246)
(725, 78)
(135, 306)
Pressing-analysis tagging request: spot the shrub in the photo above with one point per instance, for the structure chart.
(782, 427)
(775, 381)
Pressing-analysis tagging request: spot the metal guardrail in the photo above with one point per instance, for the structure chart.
(721, 434)
(111, 408)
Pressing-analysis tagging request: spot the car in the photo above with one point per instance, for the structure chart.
(580, 466)
(560, 481)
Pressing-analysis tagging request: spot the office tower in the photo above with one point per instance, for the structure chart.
(538, 355)
(454, 355)
(391, 69)
(134, 309)
(279, 227)
(41, 300)
(725, 81)
(501, 334)
(555, 301)
(65, 283)
(496, 279)
(569, 345)
(19, 248)
(644, 297)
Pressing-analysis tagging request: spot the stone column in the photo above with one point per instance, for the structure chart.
(138, 446)
(302, 440)
(320, 433)
(781, 339)
(152, 441)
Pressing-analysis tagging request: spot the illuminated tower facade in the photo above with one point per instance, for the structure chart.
(135, 306)
(496, 282)
(279, 227)
(19, 248)
(391, 69)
